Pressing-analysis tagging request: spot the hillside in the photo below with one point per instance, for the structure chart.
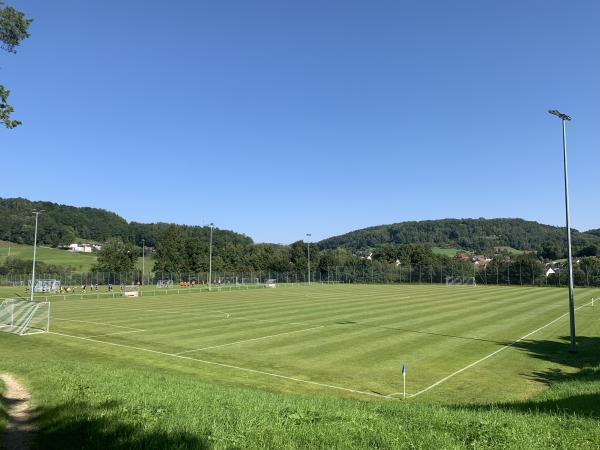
(62, 224)
(478, 235)
(80, 262)
(47, 255)
(595, 232)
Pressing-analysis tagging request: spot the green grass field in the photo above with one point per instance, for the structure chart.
(318, 366)
(447, 251)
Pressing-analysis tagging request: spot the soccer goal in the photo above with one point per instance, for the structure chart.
(164, 284)
(271, 283)
(460, 281)
(130, 291)
(24, 317)
(45, 285)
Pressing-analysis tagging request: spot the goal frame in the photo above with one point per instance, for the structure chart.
(131, 290)
(460, 281)
(24, 317)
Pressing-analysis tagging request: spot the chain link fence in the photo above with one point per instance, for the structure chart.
(505, 273)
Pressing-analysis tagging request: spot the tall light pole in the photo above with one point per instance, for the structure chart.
(564, 118)
(210, 257)
(143, 262)
(308, 235)
(37, 212)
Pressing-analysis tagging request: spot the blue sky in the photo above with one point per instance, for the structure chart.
(281, 118)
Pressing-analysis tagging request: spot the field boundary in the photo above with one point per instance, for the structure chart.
(446, 378)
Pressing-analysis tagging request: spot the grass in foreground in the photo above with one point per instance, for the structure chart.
(89, 402)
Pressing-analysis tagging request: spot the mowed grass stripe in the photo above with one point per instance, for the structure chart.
(369, 357)
(228, 336)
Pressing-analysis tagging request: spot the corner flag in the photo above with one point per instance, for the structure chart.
(404, 380)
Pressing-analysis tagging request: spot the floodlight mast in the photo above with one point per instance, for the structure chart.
(565, 118)
(37, 212)
(143, 265)
(308, 235)
(210, 257)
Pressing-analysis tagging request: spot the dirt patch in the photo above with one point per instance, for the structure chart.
(19, 431)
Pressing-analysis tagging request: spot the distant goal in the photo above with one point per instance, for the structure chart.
(130, 291)
(166, 283)
(271, 283)
(460, 281)
(23, 317)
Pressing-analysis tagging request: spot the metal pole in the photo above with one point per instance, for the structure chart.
(37, 213)
(570, 256)
(564, 118)
(308, 249)
(143, 265)
(210, 257)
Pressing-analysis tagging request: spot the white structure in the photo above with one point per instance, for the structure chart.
(23, 317)
(45, 285)
(271, 283)
(84, 248)
(453, 281)
(164, 284)
(550, 271)
(131, 291)
(481, 261)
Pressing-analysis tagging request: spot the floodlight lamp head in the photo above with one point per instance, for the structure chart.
(560, 115)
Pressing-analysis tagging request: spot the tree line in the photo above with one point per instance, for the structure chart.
(482, 236)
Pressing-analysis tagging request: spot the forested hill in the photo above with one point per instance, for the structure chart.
(477, 235)
(595, 232)
(62, 225)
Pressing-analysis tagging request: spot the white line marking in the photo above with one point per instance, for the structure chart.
(116, 332)
(229, 366)
(197, 313)
(490, 355)
(400, 393)
(248, 340)
(99, 323)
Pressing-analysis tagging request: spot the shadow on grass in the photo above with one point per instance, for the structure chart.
(570, 392)
(80, 425)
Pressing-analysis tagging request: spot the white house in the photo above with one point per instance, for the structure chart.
(550, 271)
(82, 248)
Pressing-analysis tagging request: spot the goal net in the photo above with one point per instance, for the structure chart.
(23, 317)
(271, 283)
(45, 285)
(131, 291)
(459, 281)
(164, 284)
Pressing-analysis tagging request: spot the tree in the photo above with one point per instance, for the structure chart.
(171, 255)
(13, 29)
(116, 256)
